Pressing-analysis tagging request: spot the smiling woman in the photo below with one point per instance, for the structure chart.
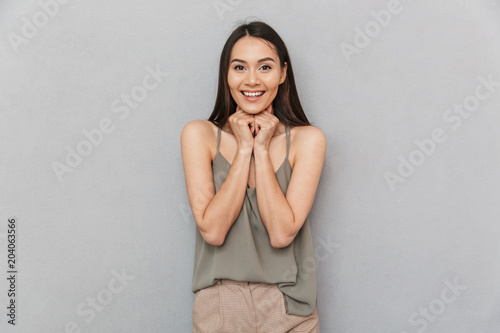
(254, 82)
(251, 210)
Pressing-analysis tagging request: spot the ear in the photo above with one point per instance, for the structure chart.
(283, 73)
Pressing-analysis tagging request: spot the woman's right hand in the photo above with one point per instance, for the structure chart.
(242, 125)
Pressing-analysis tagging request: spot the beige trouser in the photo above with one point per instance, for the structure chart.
(247, 307)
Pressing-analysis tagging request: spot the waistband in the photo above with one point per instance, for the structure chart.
(233, 282)
(244, 283)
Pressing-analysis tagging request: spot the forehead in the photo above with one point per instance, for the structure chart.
(253, 48)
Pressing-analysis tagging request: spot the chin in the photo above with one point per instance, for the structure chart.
(254, 109)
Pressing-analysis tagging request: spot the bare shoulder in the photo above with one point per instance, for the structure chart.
(197, 135)
(200, 126)
(307, 142)
(307, 137)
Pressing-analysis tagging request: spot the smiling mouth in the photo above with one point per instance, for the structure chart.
(253, 94)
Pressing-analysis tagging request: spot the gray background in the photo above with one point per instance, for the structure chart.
(385, 256)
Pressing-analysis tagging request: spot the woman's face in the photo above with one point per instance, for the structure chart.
(254, 74)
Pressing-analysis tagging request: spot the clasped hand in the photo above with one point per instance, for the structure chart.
(253, 131)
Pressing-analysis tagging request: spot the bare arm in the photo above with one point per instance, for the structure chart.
(214, 213)
(284, 216)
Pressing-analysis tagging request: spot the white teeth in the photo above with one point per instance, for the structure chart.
(249, 94)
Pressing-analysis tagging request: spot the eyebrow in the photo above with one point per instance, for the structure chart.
(261, 60)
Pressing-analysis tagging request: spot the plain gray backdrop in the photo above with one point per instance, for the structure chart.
(405, 223)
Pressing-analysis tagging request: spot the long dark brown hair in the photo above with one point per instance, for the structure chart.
(286, 104)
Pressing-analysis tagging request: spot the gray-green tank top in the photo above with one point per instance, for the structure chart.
(247, 254)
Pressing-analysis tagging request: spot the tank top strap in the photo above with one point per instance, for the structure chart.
(287, 139)
(218, 138)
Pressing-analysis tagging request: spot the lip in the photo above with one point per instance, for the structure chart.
(252, 99)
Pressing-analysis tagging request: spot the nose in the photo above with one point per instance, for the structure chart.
(252, 78)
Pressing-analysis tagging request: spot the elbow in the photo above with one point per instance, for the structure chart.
(213, 238)
(209, 233)
(284, 237)
(280, 242)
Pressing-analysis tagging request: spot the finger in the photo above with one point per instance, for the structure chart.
(262, 121)
(264, 115)
(257, 126)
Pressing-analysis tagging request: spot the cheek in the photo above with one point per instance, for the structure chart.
(231, 81)
(274, 82)
(234, 94)
(232, 89)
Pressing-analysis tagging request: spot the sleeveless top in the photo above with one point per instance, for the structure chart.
(247, 255)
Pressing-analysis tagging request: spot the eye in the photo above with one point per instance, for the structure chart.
(266, 67)
(238, 67)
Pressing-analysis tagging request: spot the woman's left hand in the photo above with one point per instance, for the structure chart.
(265, 125)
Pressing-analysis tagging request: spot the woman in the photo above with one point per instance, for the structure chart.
(254, 267)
